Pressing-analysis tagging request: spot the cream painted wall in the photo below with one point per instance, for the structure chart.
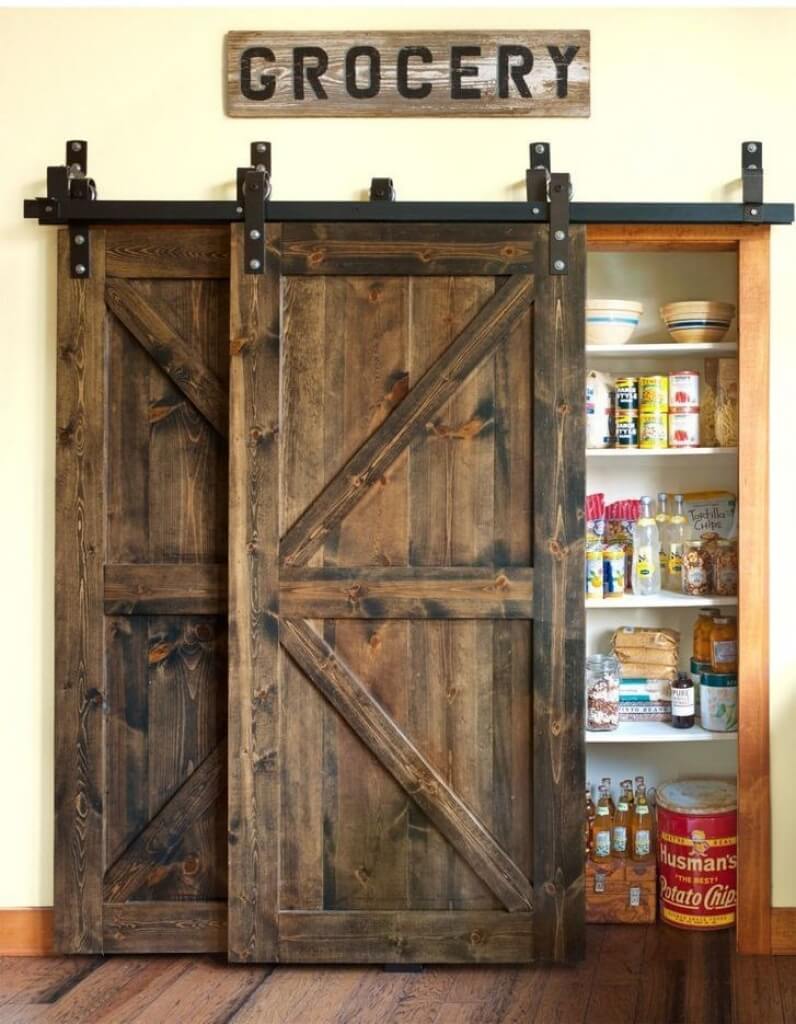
(145, 88)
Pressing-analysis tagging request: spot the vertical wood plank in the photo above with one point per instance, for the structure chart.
(754, 792)
(254, 816)
(558, 628)
(80, 555)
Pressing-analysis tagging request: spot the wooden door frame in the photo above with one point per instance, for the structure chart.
(557, 611)
(751, 244)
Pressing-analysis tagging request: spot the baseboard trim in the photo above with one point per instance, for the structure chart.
(26, 931)
(783, 931)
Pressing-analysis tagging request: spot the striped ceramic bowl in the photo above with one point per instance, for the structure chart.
(611, 321)
(698, 321)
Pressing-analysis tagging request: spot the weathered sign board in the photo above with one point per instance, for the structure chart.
(400, 74)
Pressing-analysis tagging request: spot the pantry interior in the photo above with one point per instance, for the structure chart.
(654, 266)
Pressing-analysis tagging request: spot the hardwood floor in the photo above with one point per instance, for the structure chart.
(632, 975)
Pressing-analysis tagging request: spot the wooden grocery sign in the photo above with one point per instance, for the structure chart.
(400, 74)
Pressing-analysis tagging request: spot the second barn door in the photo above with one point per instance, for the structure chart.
(406, 623)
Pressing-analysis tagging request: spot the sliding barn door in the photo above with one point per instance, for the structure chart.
(140, 629)
(406, 596)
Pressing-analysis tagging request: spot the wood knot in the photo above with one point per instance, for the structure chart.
(374, 292)
(549, 889)
(477, 937)
(508, 251)
(375, 641)
(564, 408)
(555, 727)
(502, 582)
(190, 865)
(159, 652)
(317, 256)
(556, 549)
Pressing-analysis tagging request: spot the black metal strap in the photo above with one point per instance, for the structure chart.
(559, 224)
(752, 180)
(537, 177)
(79, 251)
(254, 187)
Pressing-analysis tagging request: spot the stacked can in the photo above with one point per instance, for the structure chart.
(684, 409)
(626, 412)
(654, 406)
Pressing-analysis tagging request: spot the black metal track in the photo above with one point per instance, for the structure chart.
(103, 211)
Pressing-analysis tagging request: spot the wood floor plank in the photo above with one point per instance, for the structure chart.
(99, 990)
(786, 976)
(423, 1002)
(525, 995)
(41, 979)
(756, 994)
(309, 995)
(210, 991)
(375, 997)
(134, 998)
(709, 979)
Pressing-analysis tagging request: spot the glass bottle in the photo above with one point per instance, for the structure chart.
(676, 536)
(627, 787)
(609, 789)
(601, 830)
(702, 628)
(683, 714)
(662, 519)
(724, 645)
(621, 825)
(641, 826)
(591, 813)
(646, 552)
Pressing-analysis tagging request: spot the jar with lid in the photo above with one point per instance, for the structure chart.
(724, 645)
(702, 628)
(696, 569)
(725, 568)
(602, 692)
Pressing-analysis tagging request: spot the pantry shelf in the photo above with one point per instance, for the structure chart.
(664, 349)
(665, 599)
(659, 732)
(629, 453)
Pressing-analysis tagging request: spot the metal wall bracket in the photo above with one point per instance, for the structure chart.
(254, 188)
(382, 190)
(752, 179)
(559, 224)
(537, 177)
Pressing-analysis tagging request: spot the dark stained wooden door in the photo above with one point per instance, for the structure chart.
(406, 597)
(141, 632)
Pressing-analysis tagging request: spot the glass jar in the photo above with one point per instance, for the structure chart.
(702, 628)
(602, 693)
(696, 569)
(725, 568)
(724, 646)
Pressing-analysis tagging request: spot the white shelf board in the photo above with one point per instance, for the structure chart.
(666, 599)
(661, 349)
(658, 732)
(630, 453)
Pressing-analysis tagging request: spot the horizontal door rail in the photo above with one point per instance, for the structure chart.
(112, 211)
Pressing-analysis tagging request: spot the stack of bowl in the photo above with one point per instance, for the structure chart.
(697, 321)
(611, 321)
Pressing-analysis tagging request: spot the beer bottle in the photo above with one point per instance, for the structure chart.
(607, 783)
(620, 828)
(590, 816)
(601, 829)
(641, 826)
(627, 784)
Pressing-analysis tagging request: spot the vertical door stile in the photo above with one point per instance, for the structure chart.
(254, 762)
(559, 617)
(79, 644)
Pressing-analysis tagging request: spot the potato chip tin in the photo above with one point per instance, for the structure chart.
(683, 389)
(626, 426)
(654, 393)
(653, 430)
(626, 394)
(684, 428)
(697, 853)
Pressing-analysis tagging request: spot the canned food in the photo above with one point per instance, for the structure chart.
(719, 701)
(614, 571)
(683, 389)
(626, 429)
(627, 394)
(697, 853)
(594, 571)
(684, 428)
(654, 393)
(652, 431)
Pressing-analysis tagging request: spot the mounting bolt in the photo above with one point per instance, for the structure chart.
(254, 264)
(751, 147)
(254, 234)
(559, 265)
(753, 212)
(559, 235)
(238, 209)
(539, 147)
(260, 167)
(261, 147)
(48, 209)
(79, 239)
(254, 186)
(535, 211)
(80, 269)
(75, 147)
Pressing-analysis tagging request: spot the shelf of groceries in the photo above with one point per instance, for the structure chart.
(664, 349)
(658, 732)
(627, 453)
(665, 599)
